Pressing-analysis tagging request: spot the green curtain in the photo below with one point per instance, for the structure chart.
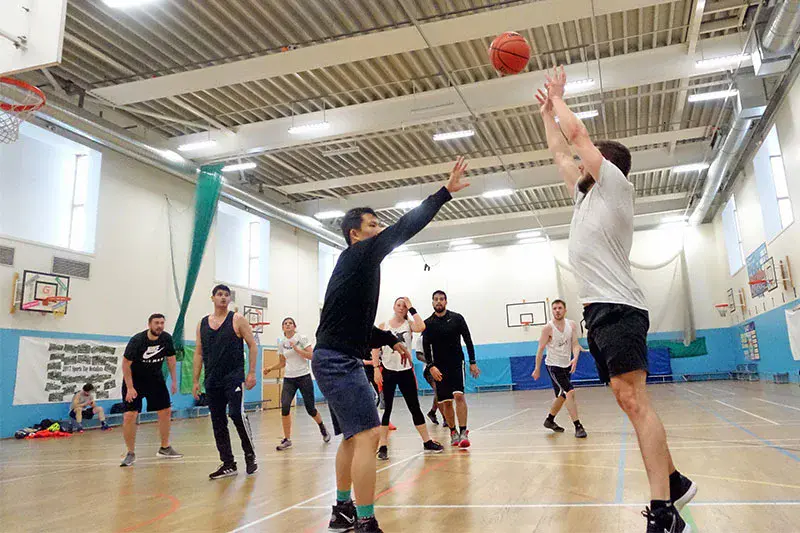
(678, 349)
(186, 372)
(209, 184)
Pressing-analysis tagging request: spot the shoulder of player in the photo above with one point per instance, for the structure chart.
(548, 328)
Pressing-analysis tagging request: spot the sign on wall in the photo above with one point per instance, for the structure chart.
(750, 342)
(53, 370)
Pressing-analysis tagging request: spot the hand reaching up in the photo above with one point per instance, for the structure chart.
(555, 83)
(545, 104)
(456, 183)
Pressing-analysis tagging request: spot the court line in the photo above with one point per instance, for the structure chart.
(176, 503)
(690, 391)
(504, 419)
(747, 412)
(723, 391)
(48, 473)
(774, 503)
(778, 404)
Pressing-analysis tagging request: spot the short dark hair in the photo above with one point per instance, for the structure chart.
(439, 292)
(562, 302)
(154, 316)
(352, 220)
(289, 318)
(617, 153)
(220, 287)
(88, 387)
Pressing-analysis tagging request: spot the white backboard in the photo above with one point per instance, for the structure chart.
(533, 312)
(31, 34)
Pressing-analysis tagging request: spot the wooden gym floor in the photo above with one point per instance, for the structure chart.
(739, 441)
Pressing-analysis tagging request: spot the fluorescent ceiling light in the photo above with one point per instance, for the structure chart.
(672, 219)
(534, 240)
(465, 247)
(721, 60)
(587, 114)
(309, 128)
(327, 215)
(529, 234)
(199, 145)
(449, 135)
(122, 4)
(409, 204)
(713, 95)
(579, 85)
(691, 167)
(169, 155)
(239, 166)
(313, 221)
(339, 151)
(497, 193)
(460, 242)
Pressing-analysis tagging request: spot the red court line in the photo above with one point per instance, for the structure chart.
(176, 503)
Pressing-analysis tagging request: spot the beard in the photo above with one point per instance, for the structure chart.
(585, 183)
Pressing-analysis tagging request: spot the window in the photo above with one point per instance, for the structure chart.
(773, 190)
(328, 256)
(781, 190)
(733, 237)
(49, 188)
(242, 248)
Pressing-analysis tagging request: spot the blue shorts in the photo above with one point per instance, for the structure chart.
(351, 399)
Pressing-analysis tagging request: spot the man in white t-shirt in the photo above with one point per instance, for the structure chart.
(615, 311)
(560, 337)
(84, 406)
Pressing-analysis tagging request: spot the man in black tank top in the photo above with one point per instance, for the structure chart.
(220, 347)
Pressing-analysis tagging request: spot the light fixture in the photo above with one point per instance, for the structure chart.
(691, 167)
(239, 166)
(461, 242)
(339, 151)
(674, 219)
(584, 114)
(534, 240)
(199, 145)
(309, 128)
(312, 221)
(720, 61)
(497, 193)
(449, 135)
(169, 155)
(713, 95)
(529, 234)
(465, 247)
(409, 204)
(122, 4)
(328, 215)
(579, 85)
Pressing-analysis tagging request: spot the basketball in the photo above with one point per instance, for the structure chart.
(509, 53)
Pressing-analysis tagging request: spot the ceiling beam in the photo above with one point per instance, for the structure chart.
(362, 47)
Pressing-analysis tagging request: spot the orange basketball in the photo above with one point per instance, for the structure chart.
(509, 53)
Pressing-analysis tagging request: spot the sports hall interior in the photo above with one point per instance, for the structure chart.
(328, 105)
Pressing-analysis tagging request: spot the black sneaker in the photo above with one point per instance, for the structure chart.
(665, 520)
(444, 423)
(343, 517)
(552, 425)
(432, 447)
(251, 463)
(682, 492)
(326, 437)
(383, 453)
(223, 471)
(433, 418)
(580, 433)
(368, 525)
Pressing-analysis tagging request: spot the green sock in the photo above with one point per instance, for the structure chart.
(365, 511)
(342, 496)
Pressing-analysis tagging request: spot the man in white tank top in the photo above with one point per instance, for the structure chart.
(560, 337)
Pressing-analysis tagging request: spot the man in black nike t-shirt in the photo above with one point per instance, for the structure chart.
(143, 378)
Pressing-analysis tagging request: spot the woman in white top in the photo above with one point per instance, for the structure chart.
(391, 373)
(295, 355)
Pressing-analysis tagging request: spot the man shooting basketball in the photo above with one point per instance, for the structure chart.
(601, 235)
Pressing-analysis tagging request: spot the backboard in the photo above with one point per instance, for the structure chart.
(535, 313)
(254, 315)
(31, 34)
(38, 288)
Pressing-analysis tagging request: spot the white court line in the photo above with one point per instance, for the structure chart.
(690, 391)
(748, 412)
(778, 404)
(503, 419)
(48, 473)
(723, 391)
(566, 505)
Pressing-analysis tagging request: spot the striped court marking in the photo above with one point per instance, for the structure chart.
(723, 391)
(777, 503)
(747, 412)
(778, 404)
(690, 391)
(504, 419)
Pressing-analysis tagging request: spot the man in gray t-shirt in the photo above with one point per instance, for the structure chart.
(615, 311)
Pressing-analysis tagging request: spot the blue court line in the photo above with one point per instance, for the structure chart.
(784, 451)
(621, 464)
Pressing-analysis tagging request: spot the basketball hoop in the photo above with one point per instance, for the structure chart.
(525, 325)
(722, 309)
(55, 299)
(18, 101)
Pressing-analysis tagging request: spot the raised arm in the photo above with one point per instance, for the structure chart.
(544, 338)
(557, 144)
(573, 128)
(416, 323)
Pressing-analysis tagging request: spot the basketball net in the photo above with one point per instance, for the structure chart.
(18, 101)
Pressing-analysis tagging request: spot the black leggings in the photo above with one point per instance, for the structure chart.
(407, 382)
(306, 387)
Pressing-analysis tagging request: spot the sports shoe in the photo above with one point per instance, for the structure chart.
(343, 517)
(168, 453)
(392, 427)
(444, 423)
(665, 520)
(383, 453)
(455, 438)
(368, 525)
(252, 465)
(682, 492)
(432, 447)
(580, 433)
(326, 437)
(552, 425)
(79, 428)
(285, 443)
(433, 418)
(223, 471)
(105, 427)
(464, 439)
(130, 458)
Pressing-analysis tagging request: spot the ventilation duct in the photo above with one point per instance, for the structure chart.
(776, 39)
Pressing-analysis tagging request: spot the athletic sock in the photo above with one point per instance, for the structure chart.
(577, 423)
(551, 418)
(655, 505)
(342, 496)
(365, 511)
(462, 429)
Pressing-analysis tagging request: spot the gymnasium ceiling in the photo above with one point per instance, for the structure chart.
(382, 74)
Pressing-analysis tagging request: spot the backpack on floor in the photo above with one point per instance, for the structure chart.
(118, 408)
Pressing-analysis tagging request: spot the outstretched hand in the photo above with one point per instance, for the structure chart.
(545, 104)
(555, 83)
(455, 183)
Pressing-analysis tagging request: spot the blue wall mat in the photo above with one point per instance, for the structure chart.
(721, 344)
(658, 362)
(773, 343)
